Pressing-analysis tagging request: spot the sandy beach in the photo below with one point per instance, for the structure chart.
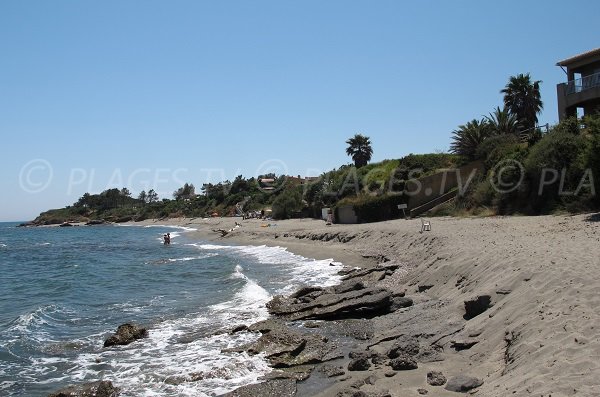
(534, 282)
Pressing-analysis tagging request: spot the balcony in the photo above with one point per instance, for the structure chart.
(582, 84)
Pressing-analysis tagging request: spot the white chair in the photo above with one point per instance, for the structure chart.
(425, 225)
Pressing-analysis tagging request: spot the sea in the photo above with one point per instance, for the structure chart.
(63, 291)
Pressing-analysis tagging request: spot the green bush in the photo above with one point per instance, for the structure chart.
(374, 208)
(286, 204)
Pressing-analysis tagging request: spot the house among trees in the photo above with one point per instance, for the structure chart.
(582, 90)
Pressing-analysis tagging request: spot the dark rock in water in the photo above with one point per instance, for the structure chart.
(474, 307)
(405, 346)
(65, 224)
(436, 378)
(463, 384)
(94, 389)
(239, 328)
(359, 364)
(270, 388)
(403, 363)
(126, 333)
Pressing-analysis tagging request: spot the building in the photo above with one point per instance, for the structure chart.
(582, 89)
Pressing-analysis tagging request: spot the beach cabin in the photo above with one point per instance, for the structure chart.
(580, 95)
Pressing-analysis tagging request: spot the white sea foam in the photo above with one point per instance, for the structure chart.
(184, 228)
(302, 270)
(3, 245)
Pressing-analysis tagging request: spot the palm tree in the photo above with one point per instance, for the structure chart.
(467, 138)
(359, 148)
(522, 98)
(503, 122)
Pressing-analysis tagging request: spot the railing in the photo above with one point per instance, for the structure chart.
(582, 84)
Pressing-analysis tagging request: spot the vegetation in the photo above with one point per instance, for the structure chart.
(359, 148)
(522, 98)
(539, 174)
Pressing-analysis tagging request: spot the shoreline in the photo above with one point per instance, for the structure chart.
(535, 277)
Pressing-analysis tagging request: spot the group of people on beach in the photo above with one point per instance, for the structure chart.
(167, 239)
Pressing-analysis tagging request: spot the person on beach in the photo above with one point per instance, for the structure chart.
(167, 238)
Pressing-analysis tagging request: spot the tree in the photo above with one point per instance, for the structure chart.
(286, 204)
(522, 98)
(152, 196)
(186, 192)
(143, 196)
(503, 122)
(467, 138)
(359, 148)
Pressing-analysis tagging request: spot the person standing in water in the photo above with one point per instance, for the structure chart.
(167, 239)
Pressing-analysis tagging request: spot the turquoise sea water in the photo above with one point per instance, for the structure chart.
(64, 290)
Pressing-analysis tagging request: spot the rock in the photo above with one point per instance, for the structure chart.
(349, 285)
(389, 374)
(400, 302)
(422, 391)
(429, 355)
(436, 378)
(303, 291)
(404, 346)
(474, 307)
(359, 364)
(311, 324)
(463, 344)
(425, 287)
(403, 363)
(270, 388)
(366, 302)
(126, 333)
(94, 389)
(331, 370)
(378, 359)
(239, 328)
(286, 347)
(463, 384)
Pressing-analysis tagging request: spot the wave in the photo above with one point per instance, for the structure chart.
(184, 228)
(301, 270)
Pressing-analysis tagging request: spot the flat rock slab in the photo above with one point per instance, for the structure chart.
(463, 383)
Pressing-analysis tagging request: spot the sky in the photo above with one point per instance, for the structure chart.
(153, 94)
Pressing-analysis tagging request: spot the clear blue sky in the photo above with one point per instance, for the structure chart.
(143, 94)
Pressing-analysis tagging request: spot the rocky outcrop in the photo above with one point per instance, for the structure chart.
(94, 389)
(285, 347)
(403, 363)
(350, 299)
(126, 333)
